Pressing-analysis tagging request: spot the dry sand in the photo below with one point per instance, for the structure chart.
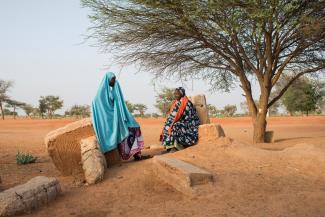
(286, 178)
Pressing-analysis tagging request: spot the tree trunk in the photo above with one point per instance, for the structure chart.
(259, 121)
(2, 113)
(14, 112)
(259, 128)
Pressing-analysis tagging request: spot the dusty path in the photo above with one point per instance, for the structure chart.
(250, 181)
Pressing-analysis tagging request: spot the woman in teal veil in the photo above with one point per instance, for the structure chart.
(114, 125)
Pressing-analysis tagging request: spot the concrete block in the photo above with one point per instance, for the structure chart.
(63, 145)
(200, 105)
(24, 198)
(179, 174)
(269, 136)
(93, 161)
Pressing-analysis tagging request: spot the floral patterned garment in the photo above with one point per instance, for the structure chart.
(131, 145)
(185, 130)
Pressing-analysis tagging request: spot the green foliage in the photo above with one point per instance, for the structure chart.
(4, 88)
(28, 109)
(155, 115)
(164, 100)
(7, 111)
(49, 104)
(79, 111)
(130, 106)
(213, 111)
(303, 96)
(229, 110)
(140, 108)
(223, 42)
(22, 158)
(13, 104)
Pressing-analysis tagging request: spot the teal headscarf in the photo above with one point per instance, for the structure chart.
(110, 115)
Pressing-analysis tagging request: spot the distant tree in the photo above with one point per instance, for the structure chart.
(155, 115)
(7, 111)
(229, 110)
(36, 112)
(321, 102)
(141, 108)
(14, 104)
(212, 110)
(4, 88)
(164, 100)
(50, 104)
(303, 96)
(244, 107)
(253, 42)
(42, 108)
(79, 111)
(28, 109)
(274, 109)
(130, 106)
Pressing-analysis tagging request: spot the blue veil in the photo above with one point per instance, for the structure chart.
(110, 115)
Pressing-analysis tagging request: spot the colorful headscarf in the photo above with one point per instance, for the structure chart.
(110, 115)
(181, 90)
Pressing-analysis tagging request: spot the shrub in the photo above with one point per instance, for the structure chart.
(22, 158)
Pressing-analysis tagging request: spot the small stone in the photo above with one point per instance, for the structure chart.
(269, 136)
(210, 132)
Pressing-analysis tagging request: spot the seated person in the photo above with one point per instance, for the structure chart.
(182, 123)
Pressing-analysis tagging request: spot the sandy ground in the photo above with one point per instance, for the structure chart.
(285, 178)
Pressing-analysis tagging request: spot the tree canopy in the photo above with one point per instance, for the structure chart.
(302, 96)
(4, 88)
(219, 41)
(49, 104)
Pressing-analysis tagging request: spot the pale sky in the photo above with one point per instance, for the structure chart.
(42, 49)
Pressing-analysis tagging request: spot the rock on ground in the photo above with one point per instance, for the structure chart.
(29, 196)
(210, 133)
(93, 161)
(63, 145)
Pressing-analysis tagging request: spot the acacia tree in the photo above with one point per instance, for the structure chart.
(130, 106)
(79, 111)
(141, 108)
(28, 109)
(304, 96)
(212, 110)
(164, 100)
(49, 104)
(229, 110)
(221, 41)
(14, 104)
(4, 88)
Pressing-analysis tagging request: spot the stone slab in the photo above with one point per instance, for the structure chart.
(93, 161)
(199, 102)
(63, 146)
(24, 198)
(179, 174)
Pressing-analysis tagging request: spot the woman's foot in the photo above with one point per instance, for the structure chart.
(138, 157)
(172, 150)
